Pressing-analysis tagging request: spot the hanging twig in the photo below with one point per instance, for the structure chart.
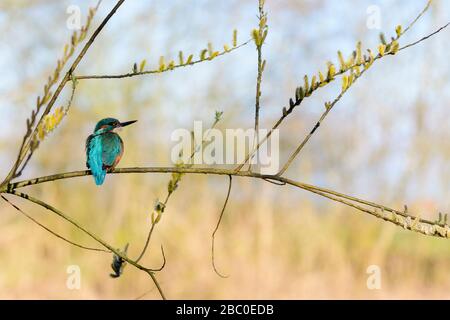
(217, 227)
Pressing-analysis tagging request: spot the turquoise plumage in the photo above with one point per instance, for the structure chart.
(104, 148)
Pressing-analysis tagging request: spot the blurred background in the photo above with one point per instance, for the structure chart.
(386, 141)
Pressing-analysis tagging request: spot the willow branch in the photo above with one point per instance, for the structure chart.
(330, 107)
(305, 140)
(26, 146)
(425, 9)
(341, 72)
(259, 36)
(141, 73)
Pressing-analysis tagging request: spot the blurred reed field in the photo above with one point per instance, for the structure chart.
(386, 140)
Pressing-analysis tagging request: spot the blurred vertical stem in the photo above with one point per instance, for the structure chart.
(259, 35)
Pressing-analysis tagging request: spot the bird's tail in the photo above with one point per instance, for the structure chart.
(99, 177)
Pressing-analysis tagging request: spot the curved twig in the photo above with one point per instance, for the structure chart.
(51, 231)
(164, 261)
(90, 234)
(217, 227)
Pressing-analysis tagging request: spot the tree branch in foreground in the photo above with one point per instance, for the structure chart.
(397, 217)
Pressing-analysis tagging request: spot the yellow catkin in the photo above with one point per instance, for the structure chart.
(359, 56)
(399, 30)
(344, 83)
(210, 49)
(394, 47)
(331, 70)
(381, 49)
(234, 38)
(321, 78)
(142, 66)
(255, 36)
(162, 65)
(203, 54)
(341, 60)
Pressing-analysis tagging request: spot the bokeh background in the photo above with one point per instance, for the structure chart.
(387, 141)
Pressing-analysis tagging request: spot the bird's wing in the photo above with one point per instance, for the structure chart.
(94, 161)
(112, 149)
(88, 149)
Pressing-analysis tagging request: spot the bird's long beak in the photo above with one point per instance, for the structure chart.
(126, 123)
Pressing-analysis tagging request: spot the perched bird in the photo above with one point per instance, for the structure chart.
(104, 148)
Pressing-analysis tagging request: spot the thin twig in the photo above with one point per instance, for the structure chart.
(424, 38)
(316, 126)
(155, 281)
(341, 72)
(49, 230)
(144, 294)
(149, 235)
(260, 69)
(134, 74)
(217, 227)
(169, 194)
(306, 139)
(425, 9)
(90, 234)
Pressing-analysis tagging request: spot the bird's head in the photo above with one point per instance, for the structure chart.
(110, 124)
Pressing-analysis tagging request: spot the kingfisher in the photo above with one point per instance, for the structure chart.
(104, 148)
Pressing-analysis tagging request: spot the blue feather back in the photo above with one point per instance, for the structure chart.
(94, 159)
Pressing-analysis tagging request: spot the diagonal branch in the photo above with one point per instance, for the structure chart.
(26, 146)
(92, 235)
(49, 230)
(141, 73)
(295, 104)
(330, 106)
